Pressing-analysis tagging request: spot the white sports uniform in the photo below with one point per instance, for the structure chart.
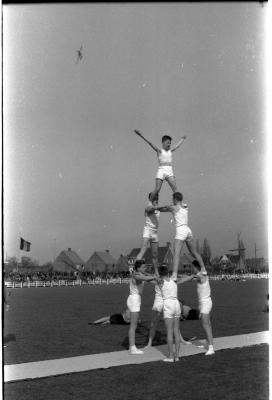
(204, 297)
(165, 169)
(151, 225)
(134, 298)
(183, 232)
(171, 305)
(158, 300)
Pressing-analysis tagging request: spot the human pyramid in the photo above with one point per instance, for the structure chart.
(166, 286)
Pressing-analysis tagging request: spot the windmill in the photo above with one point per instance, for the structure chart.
(241, 253)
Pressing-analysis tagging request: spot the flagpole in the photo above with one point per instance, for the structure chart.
(55, 250)
(19, 251)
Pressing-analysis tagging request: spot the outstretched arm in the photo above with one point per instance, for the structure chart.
(185, 279)
(179, 143)
(147, 141)
(164, 208)
(138, 276)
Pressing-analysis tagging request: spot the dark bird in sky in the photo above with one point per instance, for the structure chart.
(79, 54)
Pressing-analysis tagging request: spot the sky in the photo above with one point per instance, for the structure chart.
(76, 175)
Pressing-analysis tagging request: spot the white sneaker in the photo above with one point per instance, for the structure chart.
(176, 358)
(135, 351)
(209, 352)
(168, 360)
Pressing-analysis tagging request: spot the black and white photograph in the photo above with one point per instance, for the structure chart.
(135, 201)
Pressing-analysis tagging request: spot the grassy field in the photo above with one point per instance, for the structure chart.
(48, 323)
(240, 374)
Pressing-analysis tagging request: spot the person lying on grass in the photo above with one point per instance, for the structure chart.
(114, 319)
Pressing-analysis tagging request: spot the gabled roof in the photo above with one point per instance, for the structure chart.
(105, 256)
(72, 256)
(223, 259)
(122, 259)
(148, 255)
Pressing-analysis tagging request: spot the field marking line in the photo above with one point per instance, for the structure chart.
(46, 368)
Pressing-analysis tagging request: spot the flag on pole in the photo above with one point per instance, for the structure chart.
(24, 245)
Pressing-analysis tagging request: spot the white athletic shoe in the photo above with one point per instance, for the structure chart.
(176, 358)
(168, 360)
(135, 351)
(209, 352)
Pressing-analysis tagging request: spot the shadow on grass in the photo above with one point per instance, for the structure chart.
(142, 333)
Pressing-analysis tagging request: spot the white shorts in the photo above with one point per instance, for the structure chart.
(184, 233)
(134, 302)
(205, 306)
(165, 171)
(150, 234)
(171, 308)
(158, 303)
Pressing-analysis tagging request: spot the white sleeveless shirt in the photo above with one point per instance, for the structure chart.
(165, 157)
(158, 291)
(152, 220)
(169, 290)
(135, 289)
(180, 215)
(203, 290)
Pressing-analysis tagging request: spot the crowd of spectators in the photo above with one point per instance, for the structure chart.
(85, 276)
(56, 275)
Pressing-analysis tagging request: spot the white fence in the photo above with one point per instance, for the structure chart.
(98, 281)
(234, 277)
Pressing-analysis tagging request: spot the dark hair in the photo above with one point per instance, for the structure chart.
(163, 270)
(138, 264)
(155, 198)
(166, 137)
(178, 196)
(196, 264)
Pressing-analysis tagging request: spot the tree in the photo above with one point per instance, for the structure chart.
(206, 252)
(12, 265)
(215, 265)
(47, 267)
(27, 262)
(197, 246)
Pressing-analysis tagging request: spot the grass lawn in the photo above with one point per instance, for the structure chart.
(240, 374)
(49, 323)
